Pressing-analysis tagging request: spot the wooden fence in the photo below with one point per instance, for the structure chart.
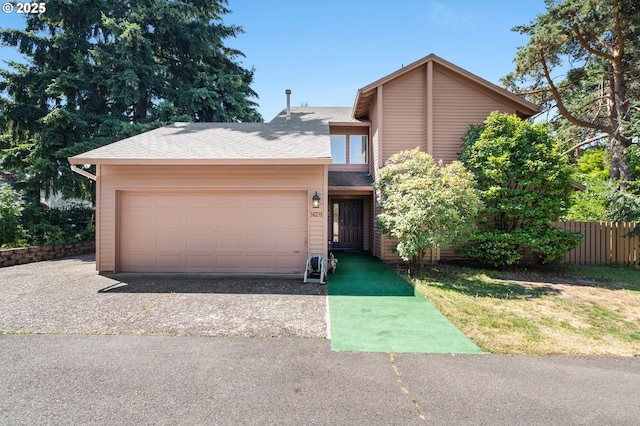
(603, 243)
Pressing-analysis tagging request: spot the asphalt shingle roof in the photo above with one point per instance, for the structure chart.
(303, 137)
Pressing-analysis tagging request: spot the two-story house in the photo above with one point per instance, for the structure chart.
(261, 197)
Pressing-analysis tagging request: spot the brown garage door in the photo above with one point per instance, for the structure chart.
(213, 231)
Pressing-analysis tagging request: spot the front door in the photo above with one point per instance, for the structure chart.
(346, 224)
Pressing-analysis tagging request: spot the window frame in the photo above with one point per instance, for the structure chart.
(347, 137)
(363, 141)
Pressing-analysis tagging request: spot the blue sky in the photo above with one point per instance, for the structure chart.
(324, 51)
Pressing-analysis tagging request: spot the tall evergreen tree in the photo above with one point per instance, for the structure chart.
(596, 43)
(101, 70)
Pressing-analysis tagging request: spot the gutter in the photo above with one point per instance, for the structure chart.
(83, 173)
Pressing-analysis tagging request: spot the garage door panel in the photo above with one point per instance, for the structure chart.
(139, 262)
(200, 222)
(168, 242)
(258, 263)
(170, 200)
(230, 198)
(201, 201)
(213, 231)
(140, 200)
(259, 200)
(138, 245)
(260, 243)
(229, 242)
(140, 219)
(229, 221)
(200, 263)
(290, 264)
(230, 262)
(290, 221)
(170, 262)
(292, 200)
(172, 218)
(263, 224)
(200, 243)
(290, 241)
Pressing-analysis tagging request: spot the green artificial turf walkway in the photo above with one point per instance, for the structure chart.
(372, 309)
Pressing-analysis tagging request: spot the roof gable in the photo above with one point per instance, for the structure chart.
(366, 94)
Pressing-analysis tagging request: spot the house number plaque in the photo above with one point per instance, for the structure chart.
(316, 214)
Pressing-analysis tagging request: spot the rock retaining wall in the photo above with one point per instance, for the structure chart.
(19, 256)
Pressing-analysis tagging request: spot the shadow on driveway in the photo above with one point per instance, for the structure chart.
(211, 283)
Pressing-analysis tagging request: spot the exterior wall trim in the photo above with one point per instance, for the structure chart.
(429, 95)
(338, 189)
(202, 161)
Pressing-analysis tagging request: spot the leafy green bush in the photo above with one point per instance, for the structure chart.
(494, 247)
(61, 225)
(12, 233)
(525, 185)
(22, 226)
(425, 204)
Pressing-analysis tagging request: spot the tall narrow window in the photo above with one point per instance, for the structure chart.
(358, 149)
(339, 149)
(336, 223)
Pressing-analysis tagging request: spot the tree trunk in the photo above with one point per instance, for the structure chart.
(140, 110)
(618, 158)
(618, 116)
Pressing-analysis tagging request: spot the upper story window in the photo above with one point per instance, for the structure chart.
(339, 149)
(349, 149)
(358, 149)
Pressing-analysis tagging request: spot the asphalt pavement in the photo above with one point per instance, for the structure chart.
(143, 380)
(79, 348)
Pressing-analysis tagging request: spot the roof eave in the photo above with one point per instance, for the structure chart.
(368, 188)
(351, 123)
(200, 161)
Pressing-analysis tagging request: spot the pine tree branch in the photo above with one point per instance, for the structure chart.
(560, 105)
(584, 142)
(588, 47)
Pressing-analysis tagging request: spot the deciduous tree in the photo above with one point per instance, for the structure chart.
(425, 205)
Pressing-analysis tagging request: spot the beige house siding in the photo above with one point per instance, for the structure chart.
(114, 179)
(389, 254)
(429, 107)
(456, 105)
(404, 113)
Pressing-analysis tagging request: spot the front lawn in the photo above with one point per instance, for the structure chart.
(564, 310)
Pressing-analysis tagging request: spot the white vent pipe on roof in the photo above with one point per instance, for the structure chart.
(288, 93)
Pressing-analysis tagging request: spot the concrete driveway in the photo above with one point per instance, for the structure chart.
(67, 296)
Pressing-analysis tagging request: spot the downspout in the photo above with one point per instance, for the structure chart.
(83, 173)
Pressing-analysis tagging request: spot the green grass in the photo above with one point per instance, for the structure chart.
(560, 310)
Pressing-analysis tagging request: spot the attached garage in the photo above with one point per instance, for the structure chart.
(239, 231)
(213, 197)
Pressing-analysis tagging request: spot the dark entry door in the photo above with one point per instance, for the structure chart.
(346, 224)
